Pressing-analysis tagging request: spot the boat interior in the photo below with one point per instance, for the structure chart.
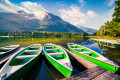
(4, 49)
(25, 55)
(55, 52)
(83, 50)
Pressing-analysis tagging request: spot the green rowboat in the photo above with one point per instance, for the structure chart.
(93, 56)
(58, 58)
(20, 63)
(7, 50)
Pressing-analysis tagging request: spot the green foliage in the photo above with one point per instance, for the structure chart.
(112, 28)
(38, 34)
(85, 34)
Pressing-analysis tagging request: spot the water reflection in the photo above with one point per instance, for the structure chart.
(33, 72)
(42, 70)
(54, 73)
(77, 66)
(109, 51)
(28, 41)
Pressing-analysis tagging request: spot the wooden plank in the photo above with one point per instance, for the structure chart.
(93, 72)
(116, 77)
(88, 71)
(83, 61)
(89, 75)
(105, 76)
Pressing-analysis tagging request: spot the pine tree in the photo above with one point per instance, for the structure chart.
(116, 14)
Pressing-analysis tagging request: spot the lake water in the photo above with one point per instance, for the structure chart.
(43, 70)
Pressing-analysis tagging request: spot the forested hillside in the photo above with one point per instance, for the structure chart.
(112, 28)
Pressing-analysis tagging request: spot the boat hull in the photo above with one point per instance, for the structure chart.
(7, 53)
(97, 62)
(66, 72)
(21, 72)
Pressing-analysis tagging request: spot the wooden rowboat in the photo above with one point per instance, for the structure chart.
(58, 58)
(93, 57)
(20, 63)
(7, 50)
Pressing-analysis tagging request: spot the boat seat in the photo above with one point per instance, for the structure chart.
(49, 46)
(3, 48)
(2, 53)
(25, 56)
(72, 45)
(31, 50)
(77, 48)
(35, 44)
(57, 53)
(52, 49)
(85, 52)
(35, 47)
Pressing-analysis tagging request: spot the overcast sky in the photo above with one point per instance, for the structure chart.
(87, 13)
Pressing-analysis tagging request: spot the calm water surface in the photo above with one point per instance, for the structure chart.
(43, 70)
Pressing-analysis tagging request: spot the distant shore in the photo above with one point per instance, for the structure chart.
(105, 37)
(6, 36)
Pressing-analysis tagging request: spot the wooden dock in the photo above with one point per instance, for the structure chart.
(93, 71)
(113, 42)
(4, 59)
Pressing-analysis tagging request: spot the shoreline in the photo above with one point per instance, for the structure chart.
(104, 37)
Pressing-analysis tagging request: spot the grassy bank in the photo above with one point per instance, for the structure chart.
(6, 36)
(105, 37)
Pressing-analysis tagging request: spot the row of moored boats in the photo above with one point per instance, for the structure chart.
(22, 61)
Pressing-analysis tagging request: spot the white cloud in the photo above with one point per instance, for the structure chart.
(82, 2)
(73, 15)
(110, 2)
(7, 6)
(29, 7)
(35, 8)
(91, 14)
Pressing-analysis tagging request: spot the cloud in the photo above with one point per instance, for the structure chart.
(7, 6)
(110, 2)
(82, 2)
(73, 15)
(29, 7)
(35, 8)
(91, 14)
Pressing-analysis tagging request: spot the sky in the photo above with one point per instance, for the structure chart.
(87, 13)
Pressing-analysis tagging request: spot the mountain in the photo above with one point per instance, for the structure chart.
(56, 24)
(22, 21)
(88, 30)
(17, 22)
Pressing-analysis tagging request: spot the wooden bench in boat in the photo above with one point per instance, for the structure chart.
(49, 46)
(3, 48)
(57, 53)
(77, 48)
(85, 52)
(52, 49)
(2, 53)
(25, 56)
(31, 50)
(34, 46)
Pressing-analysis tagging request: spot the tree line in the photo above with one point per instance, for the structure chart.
(112, 28)
(39, 34)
